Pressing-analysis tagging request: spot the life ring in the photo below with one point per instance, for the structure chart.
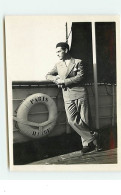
(27, 127)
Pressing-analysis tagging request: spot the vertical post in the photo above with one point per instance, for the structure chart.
(66, 33)
(67, 126)
(113, 112)
(95, 75)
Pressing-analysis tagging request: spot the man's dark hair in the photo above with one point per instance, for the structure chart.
(64, 45)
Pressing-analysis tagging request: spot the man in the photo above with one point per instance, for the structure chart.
(69, 74)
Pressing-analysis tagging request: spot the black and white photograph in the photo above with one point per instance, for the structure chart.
(62, 92)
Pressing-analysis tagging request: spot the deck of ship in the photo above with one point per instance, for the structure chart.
(102, 157)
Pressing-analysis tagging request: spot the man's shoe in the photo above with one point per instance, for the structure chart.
(98, 148)
(90, 148)
(97, 140)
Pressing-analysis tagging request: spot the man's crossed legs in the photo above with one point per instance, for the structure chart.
(77, 114)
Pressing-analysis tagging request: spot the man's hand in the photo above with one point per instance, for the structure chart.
(60, 82)
(56, 78)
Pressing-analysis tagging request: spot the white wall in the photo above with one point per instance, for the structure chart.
(31, 43)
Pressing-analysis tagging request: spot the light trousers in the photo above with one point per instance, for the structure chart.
(77, 114)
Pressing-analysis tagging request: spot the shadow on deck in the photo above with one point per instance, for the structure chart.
(104, 157)
(68, 147)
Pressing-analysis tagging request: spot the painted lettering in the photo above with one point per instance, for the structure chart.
(31, 101)
(34, 133)
(46, 131)
(39, 98)
(36, 99)
(46, 99)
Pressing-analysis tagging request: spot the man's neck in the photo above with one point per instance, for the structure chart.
(67, 57)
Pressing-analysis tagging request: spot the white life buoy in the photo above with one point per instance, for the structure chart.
(27, 127)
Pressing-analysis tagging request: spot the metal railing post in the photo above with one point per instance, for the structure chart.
(95, 75)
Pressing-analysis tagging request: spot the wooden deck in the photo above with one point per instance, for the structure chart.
(103, 157)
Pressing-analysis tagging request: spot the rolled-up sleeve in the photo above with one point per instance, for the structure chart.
(52, 74)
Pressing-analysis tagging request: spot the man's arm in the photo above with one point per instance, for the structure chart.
(53, 74)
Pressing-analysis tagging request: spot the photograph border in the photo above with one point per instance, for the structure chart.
(81, 167)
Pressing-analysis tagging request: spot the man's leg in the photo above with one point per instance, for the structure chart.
(82, 107)
(77, 114)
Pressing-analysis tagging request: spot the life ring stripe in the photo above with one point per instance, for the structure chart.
(33, 123)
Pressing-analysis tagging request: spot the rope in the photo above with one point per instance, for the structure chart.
(69, 33)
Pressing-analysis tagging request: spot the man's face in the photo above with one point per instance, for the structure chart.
(60, 53)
